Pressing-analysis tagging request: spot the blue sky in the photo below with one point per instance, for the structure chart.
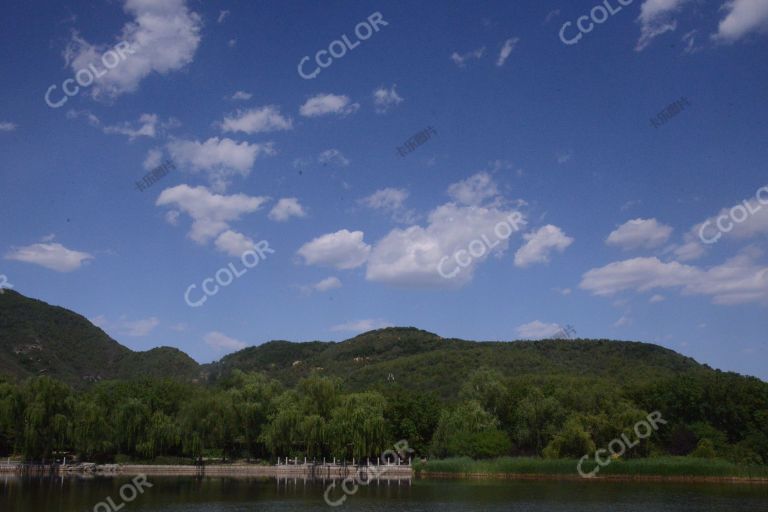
(612, 210)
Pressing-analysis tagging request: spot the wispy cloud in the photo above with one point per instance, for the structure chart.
(124, 327)
(358, 326)
(384, 99)
(223, 343)
(538, 330)
(327, 104)
(334, 157)
(53, 256)
(461, 59)
(506, 50)
(257, 120)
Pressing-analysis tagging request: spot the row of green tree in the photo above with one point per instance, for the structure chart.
(251, 416)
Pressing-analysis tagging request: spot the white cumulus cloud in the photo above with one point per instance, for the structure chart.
(329, 283)
(343, 249)
(234, 243)
(639, 234)
(211, 213)
(219, 159)
(744, 17)
(53, 256)
(286, 208)
(325, 104)
(540, 244)
(164, 36)
(737, 280)
(752, 217)
(474, 190)
(411, 257)
(257, 120)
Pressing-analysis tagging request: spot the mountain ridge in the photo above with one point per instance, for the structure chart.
(38, 338)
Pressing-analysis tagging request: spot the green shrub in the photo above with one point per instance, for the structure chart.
(704, 450)
(572, 441)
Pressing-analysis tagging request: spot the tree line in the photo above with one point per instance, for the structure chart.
(250, 416)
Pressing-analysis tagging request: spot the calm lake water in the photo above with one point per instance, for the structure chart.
(187, 494)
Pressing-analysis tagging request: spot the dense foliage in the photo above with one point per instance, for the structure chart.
(71, 389)
(249, 415)
(40, 339)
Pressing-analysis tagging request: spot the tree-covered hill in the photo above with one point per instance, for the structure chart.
(65, 386)
(426, 362)
(40, 339)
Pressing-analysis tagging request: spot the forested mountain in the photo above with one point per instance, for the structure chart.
(426, 362)
(40, 339)
(67, 387)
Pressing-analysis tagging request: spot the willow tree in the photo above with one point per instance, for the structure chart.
(358, 428)
(47, 414)
(208, 422)
(10, 414)
(253, 396)
(162, 436)
(92, 433)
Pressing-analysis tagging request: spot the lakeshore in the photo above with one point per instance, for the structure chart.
(307, 471)
(654, 469)
(663, 469)
(443, 475)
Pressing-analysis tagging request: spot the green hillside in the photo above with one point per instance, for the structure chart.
(426, 362)
(40, 339)
(65, 386)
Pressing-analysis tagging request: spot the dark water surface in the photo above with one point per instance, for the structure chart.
(213, 494)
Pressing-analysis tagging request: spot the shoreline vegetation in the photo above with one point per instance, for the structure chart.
(654, 469)
(673, 469)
